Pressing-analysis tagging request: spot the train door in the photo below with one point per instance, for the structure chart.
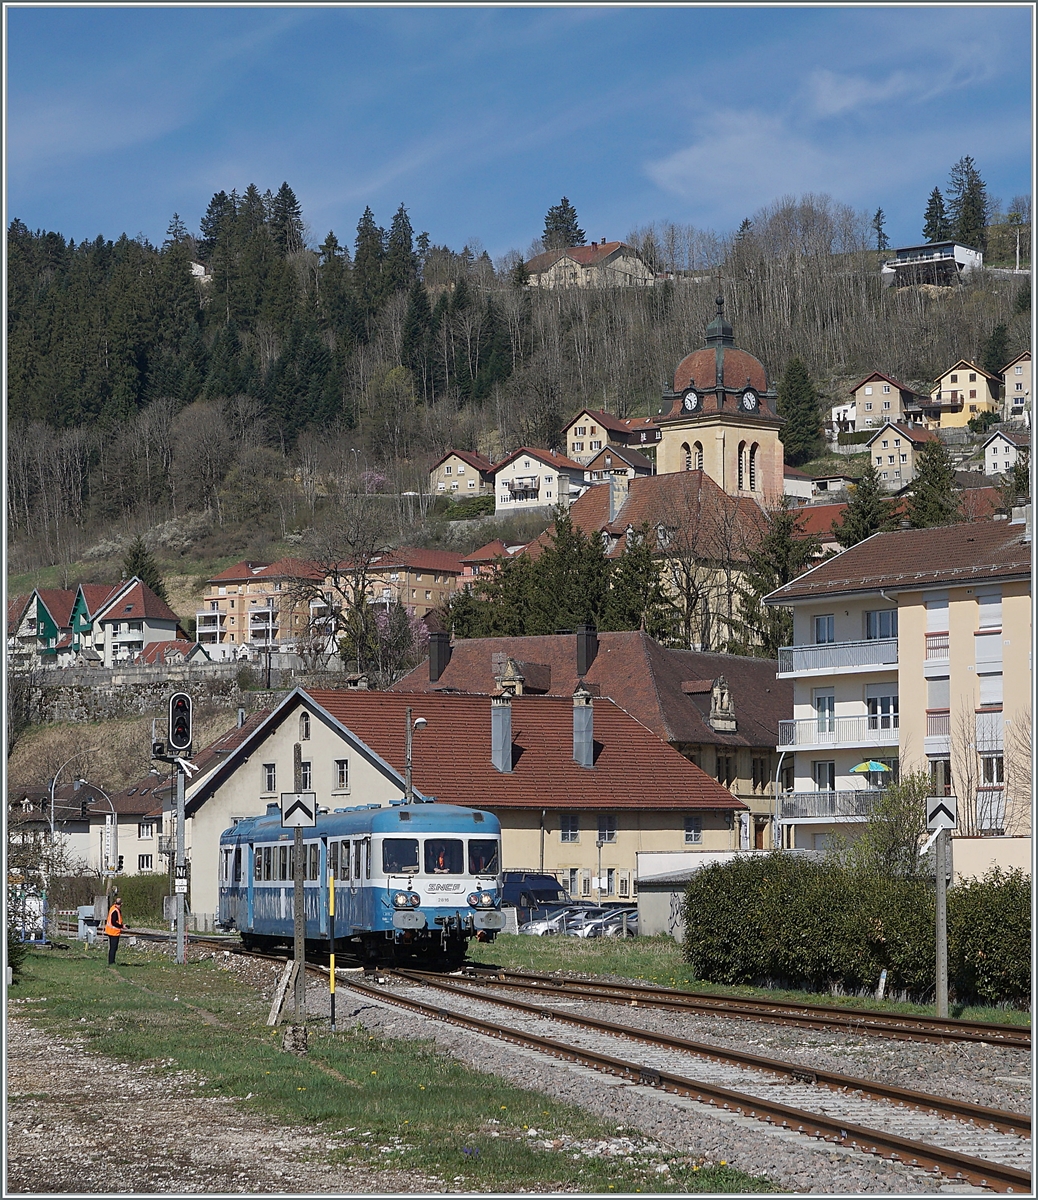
(322, 885)
(250, 894)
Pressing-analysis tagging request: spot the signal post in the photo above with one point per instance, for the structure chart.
(179, 737)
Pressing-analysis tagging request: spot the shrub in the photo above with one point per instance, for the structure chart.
(989, 938)
(471, 506)
(15, 955)
(783, 920)
(142, 897)
(855, 437)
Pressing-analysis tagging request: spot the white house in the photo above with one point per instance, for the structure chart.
(1016, 388)
(1002, 450)
(938, 263)
(530, 478)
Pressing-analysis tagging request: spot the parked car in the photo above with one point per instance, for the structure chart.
(548, 924)
(532, 895)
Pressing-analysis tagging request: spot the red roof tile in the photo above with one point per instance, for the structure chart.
(909, 559)
(97, 595)
(616, 424)
(452, 760)
(915, 433)
(586, 256)
(162, 652)
(418, 559)
(550, 458)
(240, 571)
(903, 387)
(59, 602)
(135, 603)
(487, 553)
(472, 457)
(643, 677)
(16, 606)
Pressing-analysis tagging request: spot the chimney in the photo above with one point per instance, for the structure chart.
(439, 654)
(501, 732)
(587, 648)
(583, 728)
(241, 717)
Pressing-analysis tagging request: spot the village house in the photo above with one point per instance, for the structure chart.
(482, 562)
(1016, 387)
(720, 711)
(1003, 449)
(619, 462)
(962, 392)
(581, 806)
(602, 264)
(131, 620)
(893, 450)
(258, 607)
(529, 478)
(462, 473)
(941, 264)
(880, 398)
(592, 431)
(911, 650)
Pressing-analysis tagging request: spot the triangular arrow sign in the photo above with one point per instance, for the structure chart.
(941, 813)
(298, 809)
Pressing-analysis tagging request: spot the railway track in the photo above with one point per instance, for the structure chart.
(906, 1026)
(986, 1147)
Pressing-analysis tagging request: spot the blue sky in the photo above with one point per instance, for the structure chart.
(480, 118)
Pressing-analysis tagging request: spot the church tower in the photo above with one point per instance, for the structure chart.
(721, 419)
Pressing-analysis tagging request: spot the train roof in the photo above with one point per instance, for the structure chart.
(429, 817)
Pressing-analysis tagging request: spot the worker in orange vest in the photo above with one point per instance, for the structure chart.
(113, 928)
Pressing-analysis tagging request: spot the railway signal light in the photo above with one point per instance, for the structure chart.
(180, 723)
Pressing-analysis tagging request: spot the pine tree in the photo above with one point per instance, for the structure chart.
(936, 226)
(782, 554)
(995, 354)
(368, 259)
(637, 598)
(140, 563)
(401, 264)
(801, 436)
(968, 207)
(867, 513)
(878, 221)
(414, 338)
(286, 221)
(176, 231)
(560, 227)
(571, 579)
(931, 498)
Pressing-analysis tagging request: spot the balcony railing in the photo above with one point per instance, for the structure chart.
(804, 806)
(831, 731)
(209, 620)
(528, 483)
(838, 656)
(990, 737)
(264, 616)
(938, 723)
(936, 646)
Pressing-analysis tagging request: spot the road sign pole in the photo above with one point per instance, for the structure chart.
(299, 945)
(942, 923)
(180, 871)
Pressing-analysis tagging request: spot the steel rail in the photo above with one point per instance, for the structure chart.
(903, 1026)
(978, 1171)
(941, 1106)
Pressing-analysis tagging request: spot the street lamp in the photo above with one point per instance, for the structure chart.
(412, 725)
(53, 786)
(599, 843)
(111, 865)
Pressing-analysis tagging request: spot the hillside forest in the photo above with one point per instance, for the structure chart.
(142, 392)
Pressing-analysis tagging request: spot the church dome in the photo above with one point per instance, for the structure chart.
(720, 363)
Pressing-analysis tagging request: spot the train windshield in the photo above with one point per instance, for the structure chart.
(483, 856)
(400, 856)
(444, 856)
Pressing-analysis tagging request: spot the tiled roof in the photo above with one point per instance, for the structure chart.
(902, 387)
(59, 602)
(915, 433)
(1023, 356)
(140, 799)
(646, 679)
(627, 454)
(487, 553)
(908, 559)
(550, 458)
(964, 363)
(97, 595)
(451, 756)
(418, 560)
(1012, 436)
(818, 519)
(289, 568)
(472, 457)
(586, 256)
(16, 606)
(239, 572)
(616, 424)
(135, 603)
(162, 652)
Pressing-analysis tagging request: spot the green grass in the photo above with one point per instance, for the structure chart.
(659, 960)
(396, 1103)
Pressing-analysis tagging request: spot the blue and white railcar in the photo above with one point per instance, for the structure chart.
(410, 880)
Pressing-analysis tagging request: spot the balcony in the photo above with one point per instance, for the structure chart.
(854, 805)
(263, 619)
(834, 732)
(937, 647)
(525, 483)
(210, 622)
(937, 739)
(830, 657)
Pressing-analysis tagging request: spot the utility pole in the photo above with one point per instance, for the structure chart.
(299, 911)
(942, 922)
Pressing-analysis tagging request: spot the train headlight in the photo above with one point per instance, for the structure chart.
(401, 900)
(474, 899)
(414, 899)
(486, 900)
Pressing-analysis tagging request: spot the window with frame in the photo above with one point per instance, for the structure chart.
(824, 773)
(585, 882)
(761, 775)
(693, 830)
(306, 777)
(304, 727)
(607, 827)
(573, 880)
(886, 389)
(992, 770)
(725, 769)
(610, 881)
(825, 709)
(881, 624)
(825, 629)
(145, 830)
(623, 886)
(569, 827)
(881, 702)
(342, 774)
(270, 777)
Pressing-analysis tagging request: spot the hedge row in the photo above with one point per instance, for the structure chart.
(780, 920)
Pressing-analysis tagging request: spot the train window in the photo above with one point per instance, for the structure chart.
(268, 862)
(356, 859)
(400, 856)
(333, 859)
(257, 864)
(483, 856)
(223, 865)
(315, 861)
(282, 868)
(237, 864)
(444, 856)
(367, 858)
(344, 861)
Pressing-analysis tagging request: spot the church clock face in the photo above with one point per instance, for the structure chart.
(749, 401)
(691, 402)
